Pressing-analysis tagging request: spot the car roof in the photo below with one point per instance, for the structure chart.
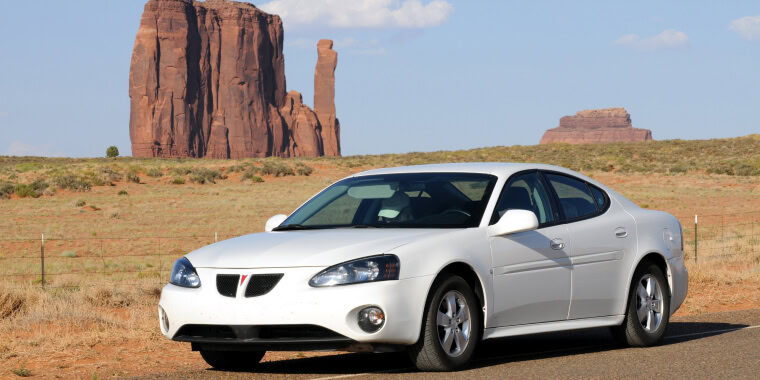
(500, 169)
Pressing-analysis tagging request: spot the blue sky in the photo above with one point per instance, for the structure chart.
(413, 75)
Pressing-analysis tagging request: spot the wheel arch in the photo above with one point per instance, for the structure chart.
(657, 258)
(471, 276)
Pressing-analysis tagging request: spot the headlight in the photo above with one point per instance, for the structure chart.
(183, 274)
(376, 268)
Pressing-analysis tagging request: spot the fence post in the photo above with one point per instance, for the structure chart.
(215, 237)
(42, 259)
(696, 238)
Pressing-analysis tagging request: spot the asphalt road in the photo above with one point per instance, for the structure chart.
(718, 345)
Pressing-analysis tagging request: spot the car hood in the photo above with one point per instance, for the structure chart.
(310, 248)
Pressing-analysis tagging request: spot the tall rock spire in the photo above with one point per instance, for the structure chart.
(207, 79)
(324, 97)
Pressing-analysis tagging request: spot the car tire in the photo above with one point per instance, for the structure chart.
(232, 360)
(648, 311)
(437, 351)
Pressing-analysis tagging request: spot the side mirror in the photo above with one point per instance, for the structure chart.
(274, 222)
(514, 221)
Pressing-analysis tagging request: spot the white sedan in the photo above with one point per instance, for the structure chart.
(432, 259)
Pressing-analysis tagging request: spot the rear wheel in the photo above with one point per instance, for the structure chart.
(648, 311)
(232, 360)
(451, 327)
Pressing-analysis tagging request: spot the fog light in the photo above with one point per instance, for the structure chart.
(164, 319)
(371, 319)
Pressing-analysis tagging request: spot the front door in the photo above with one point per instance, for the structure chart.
(531, 270)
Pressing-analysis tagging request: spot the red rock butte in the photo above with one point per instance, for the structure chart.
(207, 79)
(596, 126)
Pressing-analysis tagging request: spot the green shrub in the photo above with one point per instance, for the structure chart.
(178, 181)
(109, 175)
(743, 169)
(6, 189)
(242, 167)
(22, 371)
(123, 192)
(679, 169)
(155, 173)
(28, 167)
(80, 203)
(132, 177)
(251, 176)
(112, 152)
(69, 254)
(276, 169)
(302, 169)
(181, 171)
(204, 175)
(72, 183)
(23, 191)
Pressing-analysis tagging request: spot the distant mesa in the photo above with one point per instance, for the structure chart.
(596, 126)
(207, 79)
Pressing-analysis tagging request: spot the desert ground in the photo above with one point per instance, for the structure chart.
(112, 228)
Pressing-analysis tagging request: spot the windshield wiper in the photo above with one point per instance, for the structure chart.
(293, 227)
(361, 226)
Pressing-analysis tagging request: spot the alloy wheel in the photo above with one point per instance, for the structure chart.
(649, 303)
(454, 328)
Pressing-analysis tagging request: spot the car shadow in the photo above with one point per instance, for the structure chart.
(493, 352)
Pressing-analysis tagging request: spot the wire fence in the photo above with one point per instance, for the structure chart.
(134, 261)
(728, 237)
(85, 262)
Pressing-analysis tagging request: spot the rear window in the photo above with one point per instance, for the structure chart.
(574, 196)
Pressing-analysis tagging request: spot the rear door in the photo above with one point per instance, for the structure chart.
(531, 270)
(601, 235)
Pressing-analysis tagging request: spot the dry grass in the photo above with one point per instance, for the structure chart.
(103, 315)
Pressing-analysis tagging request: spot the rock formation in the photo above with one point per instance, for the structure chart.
(596, 126)
(324, 97)
(207, 79)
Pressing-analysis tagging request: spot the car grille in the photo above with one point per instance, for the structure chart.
(227, 284)
(261, 284)
(264, 332)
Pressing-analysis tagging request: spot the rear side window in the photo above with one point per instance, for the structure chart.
(574, 196)
(601, 200)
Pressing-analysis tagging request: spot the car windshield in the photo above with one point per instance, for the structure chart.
(410, 200)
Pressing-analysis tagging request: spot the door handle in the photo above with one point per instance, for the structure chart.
(557, 244)
(621, 232)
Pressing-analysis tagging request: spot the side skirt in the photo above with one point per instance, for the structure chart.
(534, 328)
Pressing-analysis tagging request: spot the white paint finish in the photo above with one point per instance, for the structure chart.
(597, 254)
(525, 261)
(305, 248)
(529, 290)
(533, 328)
(274, 222)
(514, 221)
(293, 301)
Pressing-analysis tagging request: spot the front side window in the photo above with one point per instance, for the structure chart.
(574, 196)
(413, 200)
(525, 192)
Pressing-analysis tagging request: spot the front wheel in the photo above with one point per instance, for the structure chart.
(451, 327)
(648, 311)
(232, 360)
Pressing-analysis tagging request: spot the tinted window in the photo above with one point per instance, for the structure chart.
(601, 200)
(413, 200)
(574, 196)
(525, 192)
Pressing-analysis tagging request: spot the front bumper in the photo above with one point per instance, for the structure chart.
(292, 302)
